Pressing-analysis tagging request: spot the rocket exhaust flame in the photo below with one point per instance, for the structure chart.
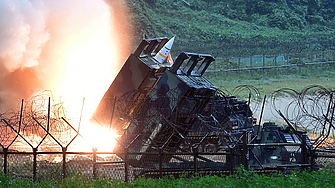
(34, 128)
(67, 47)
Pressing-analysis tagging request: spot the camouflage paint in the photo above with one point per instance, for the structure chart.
(139, 73)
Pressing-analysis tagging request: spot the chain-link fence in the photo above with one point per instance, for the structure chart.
(40, 165)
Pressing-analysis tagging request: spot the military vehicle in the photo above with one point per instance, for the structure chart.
(173, 119)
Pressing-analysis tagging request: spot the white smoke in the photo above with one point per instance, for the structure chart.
(35, 38)
(22, 33)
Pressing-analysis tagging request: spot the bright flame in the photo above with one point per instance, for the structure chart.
(88, 66)
(88, 70)
(88, 74)
(102, 138)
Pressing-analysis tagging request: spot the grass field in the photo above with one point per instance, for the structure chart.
(268, 85)
(243, 178)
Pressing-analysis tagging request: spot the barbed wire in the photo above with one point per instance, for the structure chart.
(34, 119)
(311, 108)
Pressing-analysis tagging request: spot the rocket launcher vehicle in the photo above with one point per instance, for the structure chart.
(159, 107)
(153, 103)
(134, 82)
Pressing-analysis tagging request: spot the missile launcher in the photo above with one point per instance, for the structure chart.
(159, 107)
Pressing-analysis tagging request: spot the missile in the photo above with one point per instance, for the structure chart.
(162, 55)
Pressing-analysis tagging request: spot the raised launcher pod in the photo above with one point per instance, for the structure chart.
(134, 82)
(170, 111)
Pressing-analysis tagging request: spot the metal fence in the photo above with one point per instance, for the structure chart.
(289, 63)
(257, 45)
(42, 165)
(50, 156)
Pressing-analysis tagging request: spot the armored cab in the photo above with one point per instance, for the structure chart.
(280, 147)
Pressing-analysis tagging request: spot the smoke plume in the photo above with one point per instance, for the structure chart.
(41, 39)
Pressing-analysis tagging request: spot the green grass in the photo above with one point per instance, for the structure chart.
(243, 178)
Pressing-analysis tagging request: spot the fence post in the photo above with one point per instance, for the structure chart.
(64, 162)
(299, 63)
(5, 156)
(245, 150)
(34, 163)
(239, 65)
(226, 66)
(323, 56)
(312, 153)
(303, 152)
(195, 167)
(263, 64)
(311, 66)
(94, 162)
(215, 69)
(251, 66)
(276, 65)
(231, 159)
(287, 63)
(126, 165)
(160, 163)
